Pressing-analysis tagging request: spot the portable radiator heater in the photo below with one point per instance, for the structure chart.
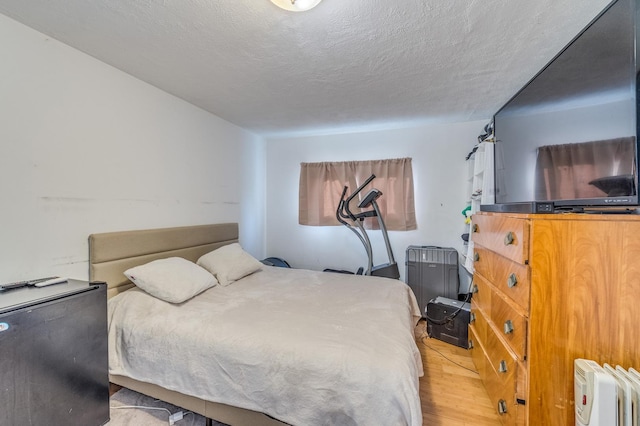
(431, 272)
(606, 396)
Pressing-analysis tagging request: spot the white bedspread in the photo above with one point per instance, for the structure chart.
(305, 347)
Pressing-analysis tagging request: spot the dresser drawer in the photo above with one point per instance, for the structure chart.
(501, 392)
(507, 236)
(507, 320)
(501, 384)
(508, 276)
(501, 387)
(479, 322)
(502, 361)
(510, 324)
(481, 295)
(477, 352)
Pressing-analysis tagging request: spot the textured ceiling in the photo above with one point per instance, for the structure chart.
(344, 64)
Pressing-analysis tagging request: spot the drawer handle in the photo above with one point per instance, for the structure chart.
(509, 238)
(508, 327)
(502, 407)
(474, 288)
(475, 227)
(512, 280)
(476, 256)
(470, 344)
(503, 366)
(472, 317)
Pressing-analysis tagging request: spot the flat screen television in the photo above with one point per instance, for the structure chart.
(568, 140)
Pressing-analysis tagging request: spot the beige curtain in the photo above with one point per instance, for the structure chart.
(585, 170)
(321, 186)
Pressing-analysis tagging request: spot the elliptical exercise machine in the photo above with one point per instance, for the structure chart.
(355, 223)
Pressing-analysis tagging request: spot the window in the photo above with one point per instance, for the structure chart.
(321, 186)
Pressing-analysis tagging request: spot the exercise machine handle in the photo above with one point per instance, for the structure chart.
(339, 212)
(354, 194)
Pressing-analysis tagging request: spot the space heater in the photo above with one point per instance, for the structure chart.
(431, 272)
(606, 396)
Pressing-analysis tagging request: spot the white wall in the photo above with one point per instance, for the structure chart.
(440, 182)
(87, 148)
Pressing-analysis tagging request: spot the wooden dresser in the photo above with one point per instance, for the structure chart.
(549, 289)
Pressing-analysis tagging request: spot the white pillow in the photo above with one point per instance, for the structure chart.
(173, 279)
(229, 263)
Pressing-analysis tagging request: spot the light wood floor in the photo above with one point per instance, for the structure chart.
(450, 390)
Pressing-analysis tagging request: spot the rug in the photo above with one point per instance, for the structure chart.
(156, 414)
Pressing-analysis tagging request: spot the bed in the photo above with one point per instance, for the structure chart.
(279, 346)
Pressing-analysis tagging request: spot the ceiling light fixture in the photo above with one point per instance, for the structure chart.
(296, 5)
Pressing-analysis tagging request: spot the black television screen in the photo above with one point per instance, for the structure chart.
(568, 138)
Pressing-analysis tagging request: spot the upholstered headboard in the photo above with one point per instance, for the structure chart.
(112, 253)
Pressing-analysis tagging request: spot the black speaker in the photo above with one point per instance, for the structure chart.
(448, 320)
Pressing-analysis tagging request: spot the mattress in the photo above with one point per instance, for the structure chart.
(305, 347)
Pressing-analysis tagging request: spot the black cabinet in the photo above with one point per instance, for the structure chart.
(54, 355)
